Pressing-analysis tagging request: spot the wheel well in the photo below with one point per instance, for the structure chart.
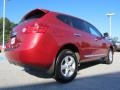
(71, 47)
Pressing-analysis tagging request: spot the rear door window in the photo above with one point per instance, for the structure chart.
(78, 24)
(73, 22)
(63, 18)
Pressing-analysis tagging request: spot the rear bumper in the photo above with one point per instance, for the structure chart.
(27, 58)
(34, 52)
(30, 60)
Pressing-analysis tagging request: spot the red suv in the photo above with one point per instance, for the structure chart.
(57, 43)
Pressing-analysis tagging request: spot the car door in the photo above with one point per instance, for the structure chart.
(82, 37)
(99, 44)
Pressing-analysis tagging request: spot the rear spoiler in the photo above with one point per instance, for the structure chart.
(35, 10)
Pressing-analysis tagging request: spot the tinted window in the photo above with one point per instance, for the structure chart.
(63, 18)
(34, 15)
(78, 24)
(74, 22)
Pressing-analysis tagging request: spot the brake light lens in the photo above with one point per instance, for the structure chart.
(36, 27)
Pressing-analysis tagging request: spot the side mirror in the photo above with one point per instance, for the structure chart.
(106, 35)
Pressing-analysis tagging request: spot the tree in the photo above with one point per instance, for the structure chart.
(8, 27)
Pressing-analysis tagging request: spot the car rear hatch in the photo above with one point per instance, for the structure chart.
(29, 24)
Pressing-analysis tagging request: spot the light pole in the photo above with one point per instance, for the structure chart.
(110, 22)
(4, 9)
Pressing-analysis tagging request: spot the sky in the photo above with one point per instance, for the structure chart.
(92, 11)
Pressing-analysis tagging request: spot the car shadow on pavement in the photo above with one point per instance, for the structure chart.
(98, 82)
(38, 73)
(89, 64)
(42, 74)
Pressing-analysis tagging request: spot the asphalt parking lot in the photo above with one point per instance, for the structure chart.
(92, 76)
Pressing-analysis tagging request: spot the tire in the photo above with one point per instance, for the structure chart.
(109, 58)
(66, 66)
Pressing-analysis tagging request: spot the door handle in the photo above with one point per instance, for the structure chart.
(77, 34)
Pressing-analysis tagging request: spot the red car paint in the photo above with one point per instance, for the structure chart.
(36, 42)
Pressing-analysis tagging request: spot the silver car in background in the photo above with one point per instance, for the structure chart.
(117, 46)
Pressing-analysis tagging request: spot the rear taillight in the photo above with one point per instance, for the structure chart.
(38, 28)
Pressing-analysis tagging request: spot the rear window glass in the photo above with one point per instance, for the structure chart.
(33, 15)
